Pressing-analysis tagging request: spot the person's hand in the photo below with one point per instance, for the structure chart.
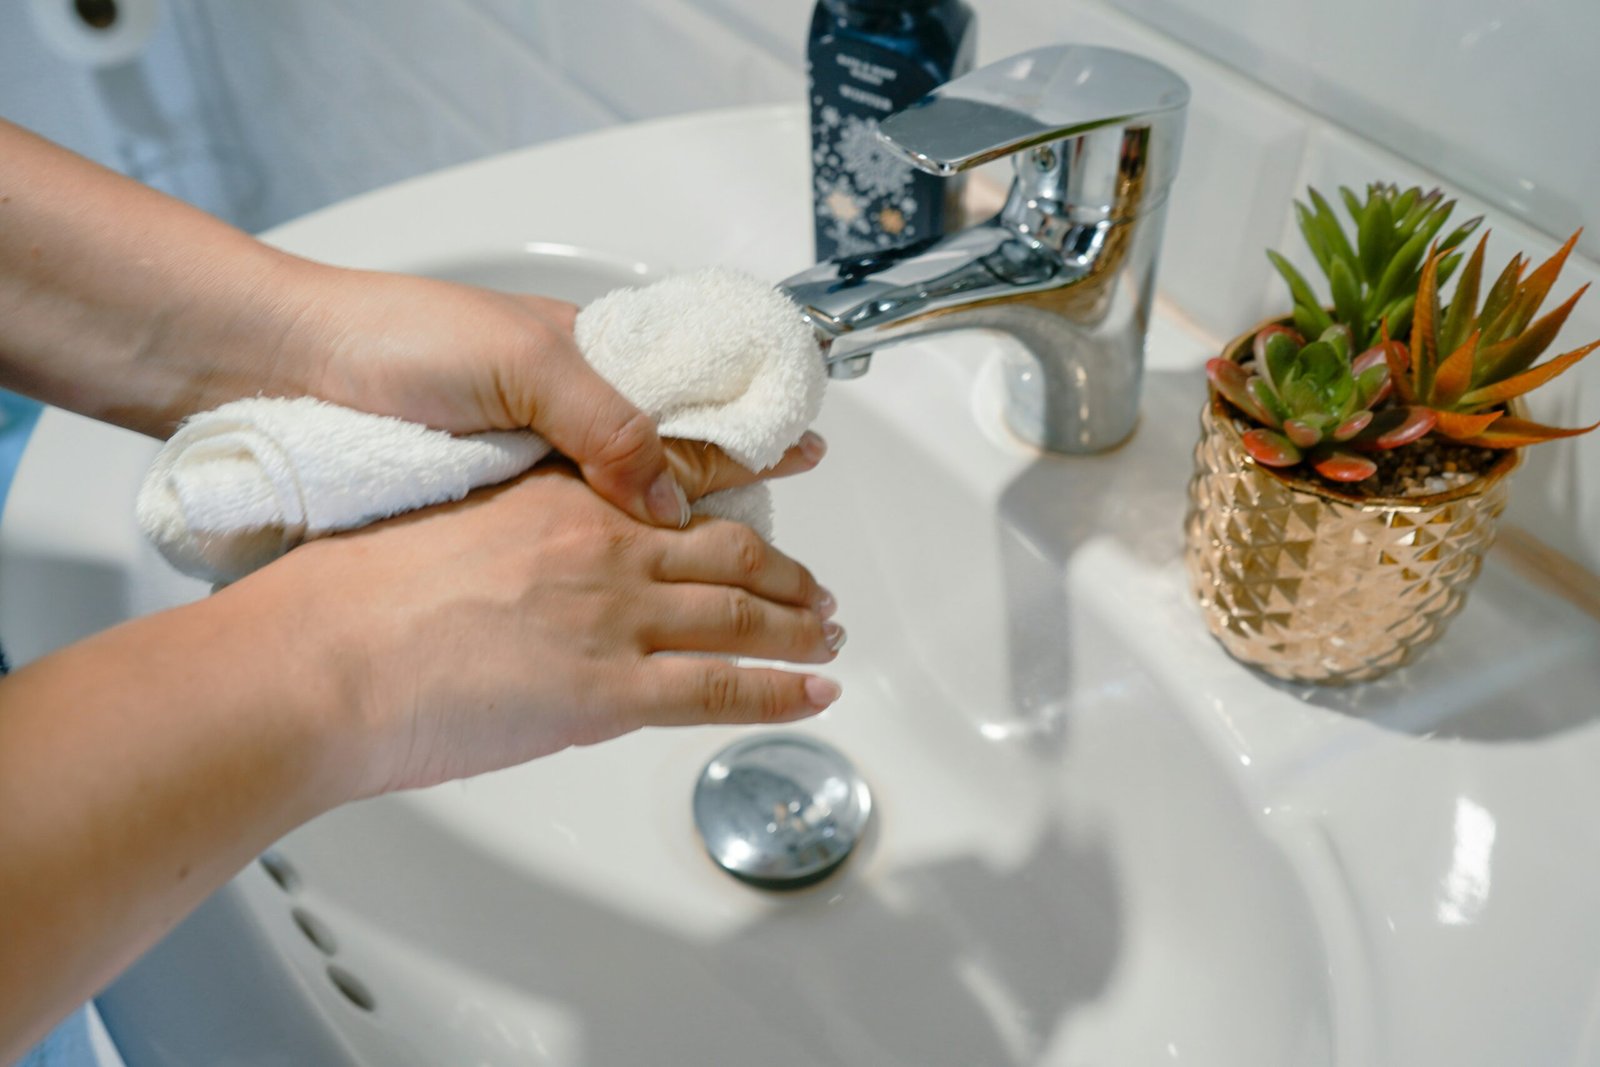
(464, 359)
(529, 617)
(130, 307)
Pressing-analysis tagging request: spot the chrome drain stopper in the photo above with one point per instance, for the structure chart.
(780, 811)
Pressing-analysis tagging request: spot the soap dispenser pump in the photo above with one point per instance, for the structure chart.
(865, 60)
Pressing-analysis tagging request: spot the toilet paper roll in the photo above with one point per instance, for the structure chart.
(95, 33)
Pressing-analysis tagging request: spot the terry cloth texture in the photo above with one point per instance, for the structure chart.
(712, 355)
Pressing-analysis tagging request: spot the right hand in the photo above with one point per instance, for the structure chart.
(525, 619)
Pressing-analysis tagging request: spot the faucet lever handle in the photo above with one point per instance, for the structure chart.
(1039, 96)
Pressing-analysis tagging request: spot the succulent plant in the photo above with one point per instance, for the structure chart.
(1373, 278)
(1424, 366)
(1463, 365)
(1315, 404)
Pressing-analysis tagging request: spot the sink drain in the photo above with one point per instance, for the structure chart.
(780, 811)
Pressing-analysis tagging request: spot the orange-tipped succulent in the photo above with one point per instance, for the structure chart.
(1463, 364)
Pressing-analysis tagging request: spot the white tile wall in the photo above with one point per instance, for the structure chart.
(48, 95)
(148, 118)
(339, 96)
(1497, 94)
(779, 26)
(331, 108)
(665, 56)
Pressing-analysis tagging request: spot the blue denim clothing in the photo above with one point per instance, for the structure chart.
(67, 1046)
(17, 416)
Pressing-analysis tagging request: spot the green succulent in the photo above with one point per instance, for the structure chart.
(1424, 366)
(1314, 403)
(1373, 277)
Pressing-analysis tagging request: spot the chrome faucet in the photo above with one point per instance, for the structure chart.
(1068, 265)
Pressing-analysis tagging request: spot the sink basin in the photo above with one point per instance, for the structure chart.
(1095, 839)
(1062, 868)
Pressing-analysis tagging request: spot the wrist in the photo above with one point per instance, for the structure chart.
(322, 669)
(235, 334)
(293, 652)
(130, 307)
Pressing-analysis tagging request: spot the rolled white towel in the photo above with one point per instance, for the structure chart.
(713, 355)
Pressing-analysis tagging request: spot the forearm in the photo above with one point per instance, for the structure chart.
(139, 770)
(126, 305)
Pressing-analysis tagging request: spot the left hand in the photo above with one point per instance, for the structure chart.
(464, 359)
(125, 305)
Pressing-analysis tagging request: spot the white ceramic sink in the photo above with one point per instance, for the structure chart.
(1097, 840)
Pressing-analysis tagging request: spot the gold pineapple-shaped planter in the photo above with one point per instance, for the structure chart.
(1308, 584)
(1312, 583)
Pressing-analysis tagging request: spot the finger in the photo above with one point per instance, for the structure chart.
(722, 619)
(561, 314)
(689, 691)
(703, 468)
(614, 444)
(804, 455)
(719, 552)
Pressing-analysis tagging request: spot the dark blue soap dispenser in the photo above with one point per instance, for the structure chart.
(867, 59)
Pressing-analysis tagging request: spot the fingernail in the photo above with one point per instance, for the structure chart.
(834, 634)
(685, 513)
(821, 691)
(825, 605)
(666, 501)
(812, 446)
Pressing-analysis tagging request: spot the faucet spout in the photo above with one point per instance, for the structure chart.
(1066, 268)
(860, 304)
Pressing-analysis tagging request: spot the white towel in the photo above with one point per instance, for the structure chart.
(713, 355)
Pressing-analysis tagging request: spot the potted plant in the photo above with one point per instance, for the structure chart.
(1354, 455)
